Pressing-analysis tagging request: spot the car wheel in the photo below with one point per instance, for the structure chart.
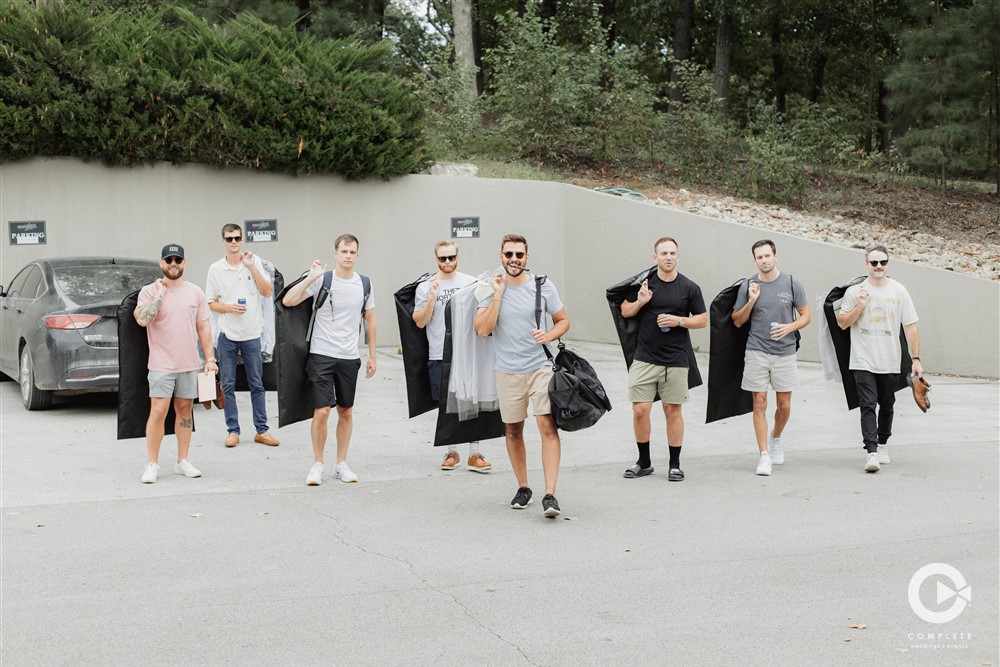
(32, 397)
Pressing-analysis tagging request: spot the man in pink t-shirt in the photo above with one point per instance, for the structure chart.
(176, 317)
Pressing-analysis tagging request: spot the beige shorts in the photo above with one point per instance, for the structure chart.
(646, 380)
(515, 391)
(761, 370)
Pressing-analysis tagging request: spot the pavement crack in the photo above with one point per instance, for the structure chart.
(415, 575)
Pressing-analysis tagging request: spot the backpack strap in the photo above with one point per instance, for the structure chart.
(538, 311)
(318, 301)
(366, 286)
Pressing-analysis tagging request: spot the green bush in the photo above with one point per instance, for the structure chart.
(161, 84)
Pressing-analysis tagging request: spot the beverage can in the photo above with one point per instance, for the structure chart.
(241, 301)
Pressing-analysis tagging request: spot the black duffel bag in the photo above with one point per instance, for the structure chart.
(576, 394)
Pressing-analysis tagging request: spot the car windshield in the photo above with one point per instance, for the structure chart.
(88, 283)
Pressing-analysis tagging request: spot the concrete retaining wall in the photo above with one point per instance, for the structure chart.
(583, 240)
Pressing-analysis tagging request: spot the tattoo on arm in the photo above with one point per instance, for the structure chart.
(185, 423)
(148, 312)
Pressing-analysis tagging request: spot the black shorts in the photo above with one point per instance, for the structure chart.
(434, 369)
(332, 381)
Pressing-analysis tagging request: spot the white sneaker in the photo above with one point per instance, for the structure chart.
(344, 473)
(186, 469)
(149, 473)
(883, 454)
(775, 450)
(871, 463)
(315, 477)
(764, 465)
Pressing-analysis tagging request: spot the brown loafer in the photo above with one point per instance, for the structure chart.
(266, 439)
(921, 388)
(232, 439)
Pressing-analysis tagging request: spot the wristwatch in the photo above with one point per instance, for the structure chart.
(682, 321)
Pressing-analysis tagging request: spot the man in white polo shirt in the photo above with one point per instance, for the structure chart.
(234, 287)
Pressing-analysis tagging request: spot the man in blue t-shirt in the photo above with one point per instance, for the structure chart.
(523, 370)
(668, 304)
(775, 304)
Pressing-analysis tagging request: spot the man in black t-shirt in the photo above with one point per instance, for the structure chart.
(668, 304)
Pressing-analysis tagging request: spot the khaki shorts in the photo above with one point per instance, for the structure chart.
(515, 390)
(177, 385)
(645, 381)
(761, 370)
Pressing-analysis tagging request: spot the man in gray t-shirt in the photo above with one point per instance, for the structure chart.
(775, 304)
(523, 369)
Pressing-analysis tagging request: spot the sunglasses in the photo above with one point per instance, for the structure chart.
(173, 260)
(232, 239)
(877, 262)
(447, 258)
(510, 253)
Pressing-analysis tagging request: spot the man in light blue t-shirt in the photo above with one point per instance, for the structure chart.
(523, 370)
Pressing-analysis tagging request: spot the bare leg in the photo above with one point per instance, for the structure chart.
(784, 411)
(760, 419)
(154, 427)
(318, 430)
(345, 426)
(640, 421)
(184, 426)
(675, 424)
(516, 452)
(551, 449)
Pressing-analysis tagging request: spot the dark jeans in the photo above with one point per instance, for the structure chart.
(880, 389)
(253, 364)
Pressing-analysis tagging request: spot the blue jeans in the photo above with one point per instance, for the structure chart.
(253, 364)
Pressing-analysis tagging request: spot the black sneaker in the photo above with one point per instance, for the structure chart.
(551, 506)
(521, 499)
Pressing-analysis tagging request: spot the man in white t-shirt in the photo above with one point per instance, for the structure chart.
(334, 359)
(432, 298)
(874, 310)
(234, 287)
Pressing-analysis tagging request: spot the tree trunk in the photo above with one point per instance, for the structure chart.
(818, 62)
(723, 60)
(376, 14)
(872, 77)
(883, 118)
(682, 48)
(522, 8)
(778, 63)
(304, 20)
(548, 9)
(477, 47)
(465, 50)
(608, 21)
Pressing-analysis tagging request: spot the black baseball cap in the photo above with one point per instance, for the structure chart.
(172, 250)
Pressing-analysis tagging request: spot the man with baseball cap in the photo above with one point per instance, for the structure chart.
(174, 313)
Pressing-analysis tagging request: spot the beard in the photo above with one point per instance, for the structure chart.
(180, 272)
(514, 270)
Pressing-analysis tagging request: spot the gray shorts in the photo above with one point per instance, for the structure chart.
(173, 385)
(761, 370)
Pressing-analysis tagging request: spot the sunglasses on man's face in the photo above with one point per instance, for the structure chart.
(877, 262)
(173, 260)
(232, 239)
(447, 258)
(510, 253)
